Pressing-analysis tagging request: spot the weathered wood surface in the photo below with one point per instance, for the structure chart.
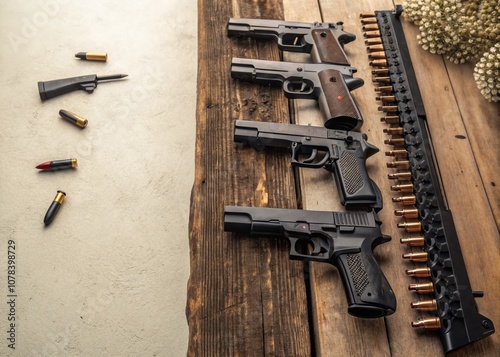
(244, 296)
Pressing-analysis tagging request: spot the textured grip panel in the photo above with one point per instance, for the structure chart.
(329, 50)
(358, 272)
(350, 172)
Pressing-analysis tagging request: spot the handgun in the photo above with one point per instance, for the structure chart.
(343, 239)
(324, 41)
(343, 153)
(329, 84)
(54, 88)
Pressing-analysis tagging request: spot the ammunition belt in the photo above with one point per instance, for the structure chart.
(425, 209)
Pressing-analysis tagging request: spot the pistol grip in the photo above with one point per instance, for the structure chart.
(51, 89)
(368, 292)
(327, 48)
(337, 103)
(356, 189)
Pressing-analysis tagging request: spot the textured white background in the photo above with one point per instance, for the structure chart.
(108, 276)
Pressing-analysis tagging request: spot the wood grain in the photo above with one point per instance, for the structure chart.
(244, 295)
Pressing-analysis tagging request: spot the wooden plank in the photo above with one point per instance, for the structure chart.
(244, 295)
(482, 125)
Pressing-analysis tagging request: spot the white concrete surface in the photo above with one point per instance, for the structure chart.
(108, 277)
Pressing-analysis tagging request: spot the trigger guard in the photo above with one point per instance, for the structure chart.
(288, 87)
(309, 161)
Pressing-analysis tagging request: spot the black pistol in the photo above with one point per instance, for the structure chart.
(343, 153)
(324, 41)
(343, 239)
(329, 84)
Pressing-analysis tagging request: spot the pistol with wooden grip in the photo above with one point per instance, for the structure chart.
(343, 239)
(329, 84)
(343, 153)
(324, 41)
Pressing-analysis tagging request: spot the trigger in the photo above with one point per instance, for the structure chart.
(311, 158)
(89, 88)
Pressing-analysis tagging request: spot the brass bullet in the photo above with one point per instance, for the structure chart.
(388, 108)
(370, 27)
(394, 131)
(377, 55)
(369, 20)
(411, 227)
(378, 63)
(370, 34)
(397, 153)
(425, 288)
(390, 119)
(395, 142)
(92, 56)
(407, 213)
(425, 305)
(375, 48)
(384, 89)
(413, 242)
(419, 257)
(408, 187)
(380, 71)
(419, 272)
(381, 79)
(399, 164)
(365, 15)
(405, 200)
(401, 176)
(428, 323)
(373, 41)
(386, 98)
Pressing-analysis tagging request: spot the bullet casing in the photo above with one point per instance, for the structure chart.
(419, 257)
(403, 164)
(404, 188)
(413, 242)
(419, 272)
(432, 323)
(411, 227)
(373, 41)
(426, 288)
(406, 200)
(390, 119)
(399, 153)
(425, 305)
(407, 213)
(385, 89)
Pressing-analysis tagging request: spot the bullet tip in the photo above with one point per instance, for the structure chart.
(80, 55)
